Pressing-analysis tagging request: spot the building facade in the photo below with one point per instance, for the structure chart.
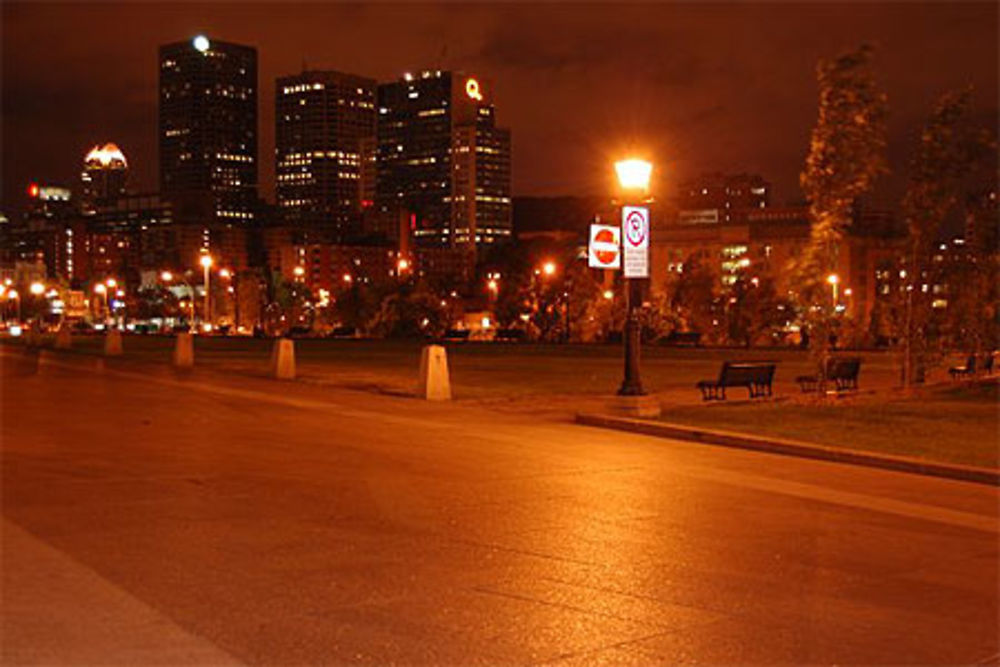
(442, 159)
(104, 176)
(208, 129)
(765, 241)
(720, 198)
(324, 138)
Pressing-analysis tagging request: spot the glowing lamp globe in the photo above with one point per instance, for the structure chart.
(633, 174)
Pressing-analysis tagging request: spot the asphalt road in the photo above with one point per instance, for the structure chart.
(154, 518)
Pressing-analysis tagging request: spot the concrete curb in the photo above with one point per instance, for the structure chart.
(988, 476)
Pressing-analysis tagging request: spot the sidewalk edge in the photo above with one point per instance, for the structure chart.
(988, 476)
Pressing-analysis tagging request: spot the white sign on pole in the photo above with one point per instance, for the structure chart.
(635, 235)
(605, 247)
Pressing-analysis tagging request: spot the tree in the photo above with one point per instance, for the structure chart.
(412, 311)
(755, 310)
(156, 302)
(950, 150)
(846, 156)
(356, 305)
(695, 297)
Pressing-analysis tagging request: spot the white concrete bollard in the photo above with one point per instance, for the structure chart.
(435, 383)
(184, 351)
(64, 339)
(283, 359)
(113, 343)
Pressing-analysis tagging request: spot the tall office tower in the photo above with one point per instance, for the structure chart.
(208, 129)
(105, 171)
(442, 163)
(324, 140)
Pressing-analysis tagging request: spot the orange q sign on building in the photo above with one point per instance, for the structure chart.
(472, 90)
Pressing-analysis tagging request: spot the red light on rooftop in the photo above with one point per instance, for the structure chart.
(33, 190)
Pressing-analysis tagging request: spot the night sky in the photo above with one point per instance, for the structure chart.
(696, 87)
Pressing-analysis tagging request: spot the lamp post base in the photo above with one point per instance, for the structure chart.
(637, 406)
(631, 390)
(631, 384)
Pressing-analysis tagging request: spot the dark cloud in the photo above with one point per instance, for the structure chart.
(697, 86)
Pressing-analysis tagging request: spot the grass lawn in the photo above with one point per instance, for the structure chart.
(959, 424)
(486, 370)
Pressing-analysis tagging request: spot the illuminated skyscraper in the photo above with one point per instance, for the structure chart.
(105, 171)
(442, 161)
(208, 128)
(324, 146)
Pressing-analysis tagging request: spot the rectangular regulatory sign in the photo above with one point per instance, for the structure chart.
(635, 241)
(604, 251)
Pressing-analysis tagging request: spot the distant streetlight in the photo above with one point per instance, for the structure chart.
(633, 177)
(166, 276)
(102, 290)
(206, 264)
(549, 268)
(834, 280)
(37, 288)
(299, 271)
(609, 295)
(12, 295)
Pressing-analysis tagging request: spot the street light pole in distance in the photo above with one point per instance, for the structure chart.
(206, 263)
(633, 178)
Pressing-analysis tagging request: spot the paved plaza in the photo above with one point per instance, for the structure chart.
(151, 517)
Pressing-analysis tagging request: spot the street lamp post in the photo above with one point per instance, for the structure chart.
(834, 280)
(234, 289)
(14, 296)
(206, 263)
(100, 289)
(633, 177)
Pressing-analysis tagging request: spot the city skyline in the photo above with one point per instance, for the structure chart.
(566, 120)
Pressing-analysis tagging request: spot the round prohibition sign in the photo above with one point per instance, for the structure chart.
(635, 228)
(605, 248)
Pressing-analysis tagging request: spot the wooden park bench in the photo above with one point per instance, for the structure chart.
(842, 371)
(973, 367)
(756, 376)
(968, 370)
